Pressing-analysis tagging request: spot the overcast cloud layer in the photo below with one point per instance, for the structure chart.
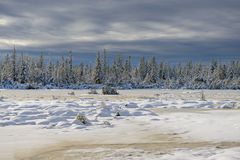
(164, 27)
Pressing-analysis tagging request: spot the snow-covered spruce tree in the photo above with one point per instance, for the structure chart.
(79, 74)
(215, 81)
(56, 78)
(61, 76)
(32, 71)
(188, 75)
(179, 75)
(13, 65)
(127, 73)
(23, 70)
(112, 77)
(153, 70)
(198, 77)
(1, 68)
(136, 77)
(6, 73)
(97, 76)
(142, 69)
(82, 73)
(161, 71)
(222, 71)
(147, 79)
(119, 68)
(166, 71)
(40, 70)
(116, 71)
(89, 73)
(69, 69)
(50, 73)
(105, 66)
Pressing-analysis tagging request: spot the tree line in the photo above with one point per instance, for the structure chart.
(22, 69)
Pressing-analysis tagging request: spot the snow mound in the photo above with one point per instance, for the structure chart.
(62, 114)
(131, 105)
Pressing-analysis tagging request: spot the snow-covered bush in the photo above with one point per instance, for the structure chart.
(93, 91)
(203, 98)
(109, 90)
(117, 114)
(71, 93)
(106, 123)
(32, 86)
(82, 118)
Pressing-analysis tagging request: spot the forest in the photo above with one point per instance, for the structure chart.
(26, 72)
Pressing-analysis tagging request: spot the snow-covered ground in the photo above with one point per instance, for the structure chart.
(137, 124)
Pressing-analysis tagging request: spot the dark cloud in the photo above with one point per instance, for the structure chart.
(163, 27)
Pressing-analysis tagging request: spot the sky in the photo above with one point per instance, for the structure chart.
(198, 29)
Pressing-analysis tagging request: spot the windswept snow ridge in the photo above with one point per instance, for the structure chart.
(58, 114)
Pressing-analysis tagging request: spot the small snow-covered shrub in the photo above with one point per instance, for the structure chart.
(157, 95)
(54, 97)
(93, 91)
(109, 90)
(234, 104)
(118, 114)
(1, 98)
(71, 93)
(106, 123)
(82, 118)
(30, 86)
(203, 96)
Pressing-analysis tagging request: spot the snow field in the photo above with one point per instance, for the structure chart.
(128, 120)
(201, 123)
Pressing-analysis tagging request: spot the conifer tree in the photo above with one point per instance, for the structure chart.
(97, 73)
(6, 70)
(105, 65)
(23, 78)
(13, 65)
(127, 73)
(142, 69)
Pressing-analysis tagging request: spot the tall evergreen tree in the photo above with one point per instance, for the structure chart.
(13, 65)
(50, 72)
(23, 74)
(40, 78)
(153, 70)
(97, 73)
(142, 69)
(127, 73)
(6, 70)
